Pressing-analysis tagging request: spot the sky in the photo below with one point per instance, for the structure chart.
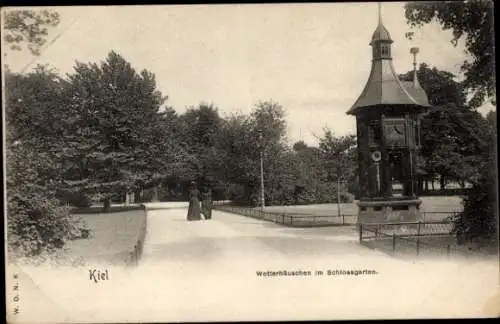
(313, 59)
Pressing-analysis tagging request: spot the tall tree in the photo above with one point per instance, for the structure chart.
(472, 21)
(36, 221)
(339, 154)
(312, 176)
(269, 135)
(32, 102)
(238, 146)
(35, 118)
(200, 127)
(452, 134)
(241, 141)
(113, 137)
(269, 119)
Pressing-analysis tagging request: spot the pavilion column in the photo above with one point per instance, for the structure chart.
(372, 179)
(365, 188)
(406, 174)
(155, 194)
(386, 183)
(412, 176)
(364, 177)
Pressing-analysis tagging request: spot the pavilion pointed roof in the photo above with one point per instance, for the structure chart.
(383, 86)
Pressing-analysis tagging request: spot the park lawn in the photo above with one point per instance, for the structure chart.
(112, 238)
(314, 210)
(439, 204)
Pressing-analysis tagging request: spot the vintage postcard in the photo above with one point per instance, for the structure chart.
(250, 162)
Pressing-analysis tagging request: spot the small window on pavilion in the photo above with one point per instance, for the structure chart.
(374, 135)
(385, 50)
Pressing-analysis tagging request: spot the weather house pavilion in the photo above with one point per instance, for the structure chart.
(388, 113)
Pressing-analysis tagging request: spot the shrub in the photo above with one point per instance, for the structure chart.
(36, 220)
(326, 193)
(478, 221)
(237, 194)
(346, 197)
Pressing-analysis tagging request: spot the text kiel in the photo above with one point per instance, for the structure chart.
(98, 275)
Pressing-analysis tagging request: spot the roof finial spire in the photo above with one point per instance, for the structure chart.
(379, 13)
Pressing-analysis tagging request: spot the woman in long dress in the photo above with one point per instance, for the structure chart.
(206, 204)
(194, 212)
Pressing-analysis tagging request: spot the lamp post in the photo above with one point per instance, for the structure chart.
(262, 201)
(414, 51)
(338, 196)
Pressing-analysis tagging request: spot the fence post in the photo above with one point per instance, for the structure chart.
(360, 232)
(343, 219)
(393, 243)
(448, 250)
(418, 238)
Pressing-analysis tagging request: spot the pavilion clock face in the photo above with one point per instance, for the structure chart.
(394, 132)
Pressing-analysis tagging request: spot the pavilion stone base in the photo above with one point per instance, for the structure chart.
(389, 211)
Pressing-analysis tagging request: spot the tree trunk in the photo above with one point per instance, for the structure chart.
(155, 194)
(107, 205)
(420, 185)
(137, 195)
(442, 182)
(127, 199)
